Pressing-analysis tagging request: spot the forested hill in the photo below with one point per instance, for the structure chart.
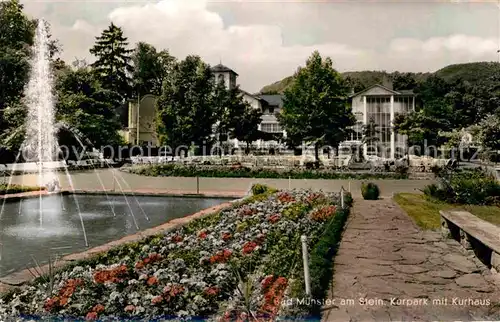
(470, 72)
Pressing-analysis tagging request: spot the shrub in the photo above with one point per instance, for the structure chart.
(473, 187)
(258, 189)
(177, 170)
(370, 191)
(348, 200)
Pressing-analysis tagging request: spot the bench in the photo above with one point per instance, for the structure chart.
(468, 229)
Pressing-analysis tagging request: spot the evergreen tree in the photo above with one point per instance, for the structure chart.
(112, 67)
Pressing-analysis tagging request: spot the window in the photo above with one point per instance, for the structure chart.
(379, 108)
(221, 78)
(271, 110)
(357, 135)
(271, 127)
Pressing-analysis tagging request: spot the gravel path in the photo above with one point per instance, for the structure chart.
(389, 270)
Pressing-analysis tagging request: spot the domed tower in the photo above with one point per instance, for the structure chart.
(225, 74)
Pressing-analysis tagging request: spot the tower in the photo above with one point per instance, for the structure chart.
(225, 74)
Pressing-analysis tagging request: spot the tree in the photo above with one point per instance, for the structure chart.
(151, 68)
(489, 132)
(112, 66)
(85, 105)
(247, 129)
(185, 108)
(16, 39)
(236, 118)
(316, 105)
(370, 133)
(403, 81)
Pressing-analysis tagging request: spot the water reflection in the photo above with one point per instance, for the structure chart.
(22, 236)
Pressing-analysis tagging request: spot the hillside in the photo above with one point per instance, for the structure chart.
(471, 72)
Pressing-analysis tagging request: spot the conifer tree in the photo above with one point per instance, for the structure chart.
(112, 66)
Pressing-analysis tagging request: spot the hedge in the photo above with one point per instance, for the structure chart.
(172, 170)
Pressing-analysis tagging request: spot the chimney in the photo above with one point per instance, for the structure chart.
(387, 82)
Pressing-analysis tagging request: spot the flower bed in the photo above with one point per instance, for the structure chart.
(238, 263)
(178, 170)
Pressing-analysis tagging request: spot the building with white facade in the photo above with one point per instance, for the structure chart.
(382, 104)
(269, 104)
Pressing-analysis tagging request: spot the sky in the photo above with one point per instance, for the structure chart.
(265, 41)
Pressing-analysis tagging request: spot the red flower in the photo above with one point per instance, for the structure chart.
(153, 257)
(212, 291)
(274, 218)
(64, 294)
(152, 280)
(273, 294)
(285, 197)
(221, 256)
(202, 235)
(129, 308)
(98, 308)
(50, 303)
(226, 236)
(323, 214)
(91, 316)
(177, 238)
(247, 211)
(249, 247)
(139, 264)
(111, 275)
(157, 299)
(172, 291)
(267, 281)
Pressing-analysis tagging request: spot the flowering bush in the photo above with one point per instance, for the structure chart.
(233, 263)
(323, 214)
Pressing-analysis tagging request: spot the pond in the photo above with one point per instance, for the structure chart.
(25, 236)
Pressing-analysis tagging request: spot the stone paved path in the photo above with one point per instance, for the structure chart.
(384, 256)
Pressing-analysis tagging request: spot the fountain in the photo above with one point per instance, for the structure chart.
(40, 144)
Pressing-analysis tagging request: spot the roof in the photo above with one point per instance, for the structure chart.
(273, 100)
(223, 69)
(251, 95)
(399, 92)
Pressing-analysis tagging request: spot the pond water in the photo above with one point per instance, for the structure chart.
(24, 239)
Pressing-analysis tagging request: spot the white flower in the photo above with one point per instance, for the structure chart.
(143, 277)
(114, 296)
(145, 248)
(132, 282)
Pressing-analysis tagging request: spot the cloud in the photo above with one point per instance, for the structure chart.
(264, 42)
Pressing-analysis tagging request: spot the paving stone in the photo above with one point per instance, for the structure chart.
(444, 273)
(430, 280)
(475, 281)
(442, 245)
(460, 263)
(411, 257)
(409, 269)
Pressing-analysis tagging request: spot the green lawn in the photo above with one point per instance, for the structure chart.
(426, 213)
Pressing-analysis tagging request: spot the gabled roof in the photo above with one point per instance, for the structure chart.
(223, 69)
(273, 100)
(400, 92)
(251, 95)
